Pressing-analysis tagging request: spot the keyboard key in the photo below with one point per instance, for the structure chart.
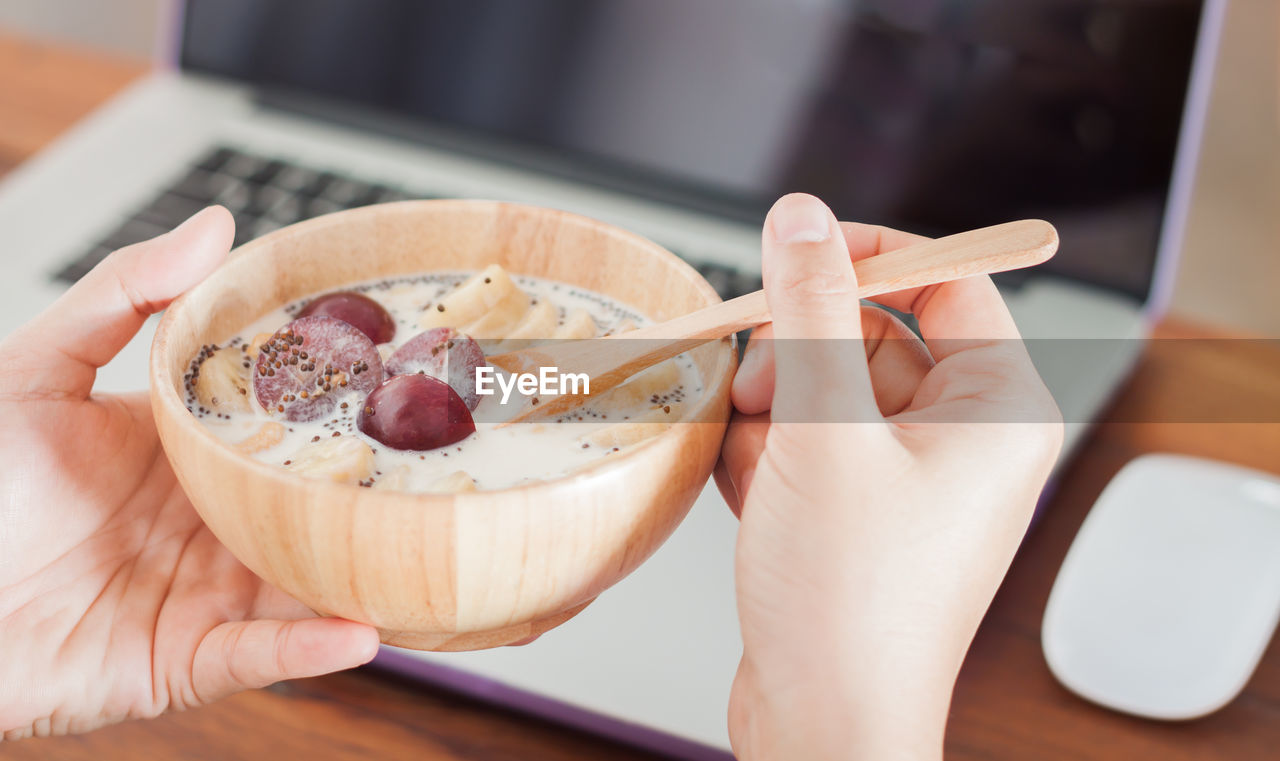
(170, 210)
(245, 226)
(262, 193)
(267, 172)
(133, 231)
(322, 182)
(235, 195)
(389, 195)
(299, 179)
(318, 206)
(287, 211)
(264, 226)
(215, 159)
(265, 198)
(244, 166)
(199, 184)
(347, 192)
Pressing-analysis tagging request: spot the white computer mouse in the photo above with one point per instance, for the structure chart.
(1171, 590)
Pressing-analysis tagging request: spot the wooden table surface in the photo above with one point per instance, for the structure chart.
(1007, 705)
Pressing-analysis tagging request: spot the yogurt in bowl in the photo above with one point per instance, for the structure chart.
(296, 390)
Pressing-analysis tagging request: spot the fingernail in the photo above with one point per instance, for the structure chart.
(800, 219)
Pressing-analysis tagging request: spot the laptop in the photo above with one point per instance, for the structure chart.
(681, 121)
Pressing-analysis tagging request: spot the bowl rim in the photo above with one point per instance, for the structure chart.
(163, 389)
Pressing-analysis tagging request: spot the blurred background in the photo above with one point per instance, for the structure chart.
(1231, 258)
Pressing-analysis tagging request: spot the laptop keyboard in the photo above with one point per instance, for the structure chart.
(264, 194)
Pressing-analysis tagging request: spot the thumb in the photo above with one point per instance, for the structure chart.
(821, 370)
(246, 655)
(58, 353)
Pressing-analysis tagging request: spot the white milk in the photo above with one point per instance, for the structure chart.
(496, 457)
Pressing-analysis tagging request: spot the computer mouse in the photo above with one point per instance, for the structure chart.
(1171, 589)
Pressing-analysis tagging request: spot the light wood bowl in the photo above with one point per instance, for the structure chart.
(441, 572)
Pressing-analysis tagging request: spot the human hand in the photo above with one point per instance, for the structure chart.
(115, 600)
(871, 547)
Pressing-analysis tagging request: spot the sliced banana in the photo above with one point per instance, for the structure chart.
(637, 429)
(455, 483)
(539, 322)
(501, 318)
(223, 382)
(579, 324)
(644, 389)
(267, 436)
(396, 479)
(470, 300)
(342, 459)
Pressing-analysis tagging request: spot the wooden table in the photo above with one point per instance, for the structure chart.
(1007, 705)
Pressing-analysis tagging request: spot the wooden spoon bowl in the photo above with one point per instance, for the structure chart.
(431, 571)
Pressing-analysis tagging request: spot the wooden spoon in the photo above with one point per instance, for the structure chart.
(611, 360)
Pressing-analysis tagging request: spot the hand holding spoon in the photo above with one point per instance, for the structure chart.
(611, 360)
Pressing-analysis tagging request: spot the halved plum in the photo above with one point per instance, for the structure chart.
(444, 354)
(357, 309)
(415, 412)
(305, 368)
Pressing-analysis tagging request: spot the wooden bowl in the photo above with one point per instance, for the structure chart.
(431, 571)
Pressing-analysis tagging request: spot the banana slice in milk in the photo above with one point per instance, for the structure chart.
(455, 483)
(472, 299)
(342, 459)
(579, 324)
(270, 434)
(222, 384)
(538, 322)
(644, 426)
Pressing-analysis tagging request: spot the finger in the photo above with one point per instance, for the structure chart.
(246, 655)
(743, 443)
(821, 369)
(63, 347)
(752, 390)
(866, 241)
(897, 359)
(952, 316)
(725, 484)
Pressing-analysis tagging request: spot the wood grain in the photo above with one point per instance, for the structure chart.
(439, 571)
(44, 89)
(1007, 706)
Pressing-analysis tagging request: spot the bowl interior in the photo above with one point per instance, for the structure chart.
(417, 236)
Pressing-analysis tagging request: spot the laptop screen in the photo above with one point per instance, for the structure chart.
(930, 115)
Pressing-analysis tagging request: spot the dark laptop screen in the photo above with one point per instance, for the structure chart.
(933, 115)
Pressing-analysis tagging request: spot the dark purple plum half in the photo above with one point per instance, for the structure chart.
(415, 412)
(445, 354)
(358, 310)
(309, 365)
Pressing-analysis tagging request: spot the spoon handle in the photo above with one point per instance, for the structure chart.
(999, 248)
